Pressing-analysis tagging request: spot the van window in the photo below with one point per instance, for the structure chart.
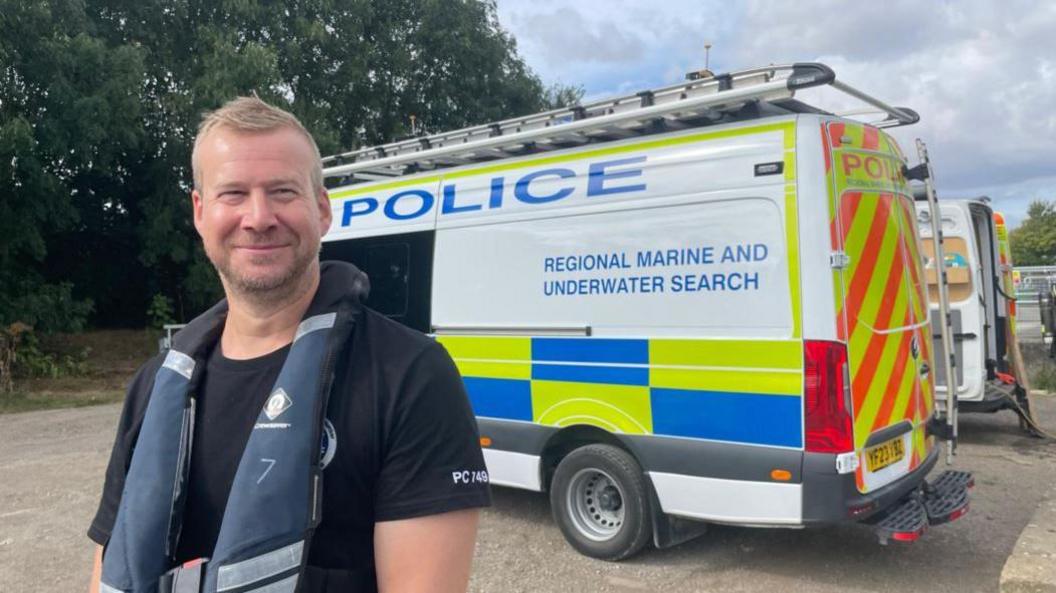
(958, 269)
(400, 269)
(387, 266)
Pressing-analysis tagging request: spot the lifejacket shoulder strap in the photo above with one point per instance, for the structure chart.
(139, 549)
(274, 505)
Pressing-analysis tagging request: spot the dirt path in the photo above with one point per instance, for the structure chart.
(51, 474)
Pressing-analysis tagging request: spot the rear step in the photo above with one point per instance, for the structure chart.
(943, 500)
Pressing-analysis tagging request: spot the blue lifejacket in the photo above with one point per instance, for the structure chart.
(275, 500)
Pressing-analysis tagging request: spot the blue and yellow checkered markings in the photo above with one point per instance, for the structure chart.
(723, 416)
(591, 374)
(596, 350)
(731, 390)
(500, 398)
(615, 408)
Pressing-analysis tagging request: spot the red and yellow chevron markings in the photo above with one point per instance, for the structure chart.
(880, 296)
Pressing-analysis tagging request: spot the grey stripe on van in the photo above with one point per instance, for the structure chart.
(691, 457)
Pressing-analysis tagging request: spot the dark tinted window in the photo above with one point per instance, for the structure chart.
(400, 268)
(388, 267)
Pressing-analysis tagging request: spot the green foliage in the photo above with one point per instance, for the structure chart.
(100, 99)
(32, 362)
(558, 96)
(160, 311)
(21, 357)
(46, 307)
(1033, 243)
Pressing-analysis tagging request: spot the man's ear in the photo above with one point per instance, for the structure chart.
(326, 213)
(196, 206)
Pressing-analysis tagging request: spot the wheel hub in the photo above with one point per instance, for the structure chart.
(595, 504)
(609, 499)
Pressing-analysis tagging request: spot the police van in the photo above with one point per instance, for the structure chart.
(699, 304)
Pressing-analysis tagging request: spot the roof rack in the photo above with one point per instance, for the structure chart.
(744, 94)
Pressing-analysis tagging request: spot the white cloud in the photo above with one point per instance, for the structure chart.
(981, 74)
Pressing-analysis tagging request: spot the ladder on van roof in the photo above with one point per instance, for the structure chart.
(736, 96)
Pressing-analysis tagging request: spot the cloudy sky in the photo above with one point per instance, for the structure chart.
(982, 74)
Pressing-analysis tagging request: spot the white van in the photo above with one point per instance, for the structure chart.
(981, 310)
(704, 302)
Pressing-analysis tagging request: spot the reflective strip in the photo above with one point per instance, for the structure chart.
(488, 348)
(765, 381)
(104, 588)
(494, 369)
(777, 354)
(252, 570)
(324, 321)
(286, 585)
(179, 362)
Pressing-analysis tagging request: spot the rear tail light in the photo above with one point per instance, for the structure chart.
(827, 391)
(908, 536)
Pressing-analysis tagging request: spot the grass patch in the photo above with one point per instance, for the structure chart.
(24, 401)
(1041, 370)
(1043, 378)
(111, 357)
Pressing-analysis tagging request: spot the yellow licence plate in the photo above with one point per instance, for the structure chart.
(883, 455)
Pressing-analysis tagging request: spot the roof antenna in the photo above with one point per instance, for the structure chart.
(706, 72)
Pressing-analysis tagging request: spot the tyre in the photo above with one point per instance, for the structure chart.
(600, 500)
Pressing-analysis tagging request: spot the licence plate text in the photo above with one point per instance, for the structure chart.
(883, 455)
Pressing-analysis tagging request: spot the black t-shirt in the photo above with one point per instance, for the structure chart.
(403, 427)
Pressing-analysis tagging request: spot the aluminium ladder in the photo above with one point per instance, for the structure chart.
(689, 104)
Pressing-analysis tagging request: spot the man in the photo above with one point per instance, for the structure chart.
(217, 454)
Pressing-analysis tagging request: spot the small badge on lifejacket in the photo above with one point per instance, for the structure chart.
(328, 444)
(277, 403)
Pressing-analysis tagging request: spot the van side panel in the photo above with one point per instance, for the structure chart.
(668, 315)
(880, 295)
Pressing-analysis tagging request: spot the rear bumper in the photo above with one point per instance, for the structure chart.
(829, 497)
(996, 397)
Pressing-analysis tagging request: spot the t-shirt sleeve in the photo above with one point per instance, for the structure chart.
(121, 455)
(431, 457)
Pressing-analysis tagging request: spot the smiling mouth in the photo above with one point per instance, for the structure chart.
(260, 248)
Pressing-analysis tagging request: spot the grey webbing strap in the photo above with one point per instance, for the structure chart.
(179, 362)
(240, 574)
(286, 585)
(104, 588)
(186, 578)
(314, 323)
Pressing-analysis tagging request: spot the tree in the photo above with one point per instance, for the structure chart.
(100, 99)
(1033, 242)
(70, 114)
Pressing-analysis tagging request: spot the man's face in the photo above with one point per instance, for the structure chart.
(256, 211)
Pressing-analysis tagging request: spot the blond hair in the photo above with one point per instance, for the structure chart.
(252, 115)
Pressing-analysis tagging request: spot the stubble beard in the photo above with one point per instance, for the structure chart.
(268, 289)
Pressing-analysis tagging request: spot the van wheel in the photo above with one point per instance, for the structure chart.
(600, 501)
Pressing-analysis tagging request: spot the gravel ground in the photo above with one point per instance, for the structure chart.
(53, 462)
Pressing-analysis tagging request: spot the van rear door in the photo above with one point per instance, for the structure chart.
(881, 302)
